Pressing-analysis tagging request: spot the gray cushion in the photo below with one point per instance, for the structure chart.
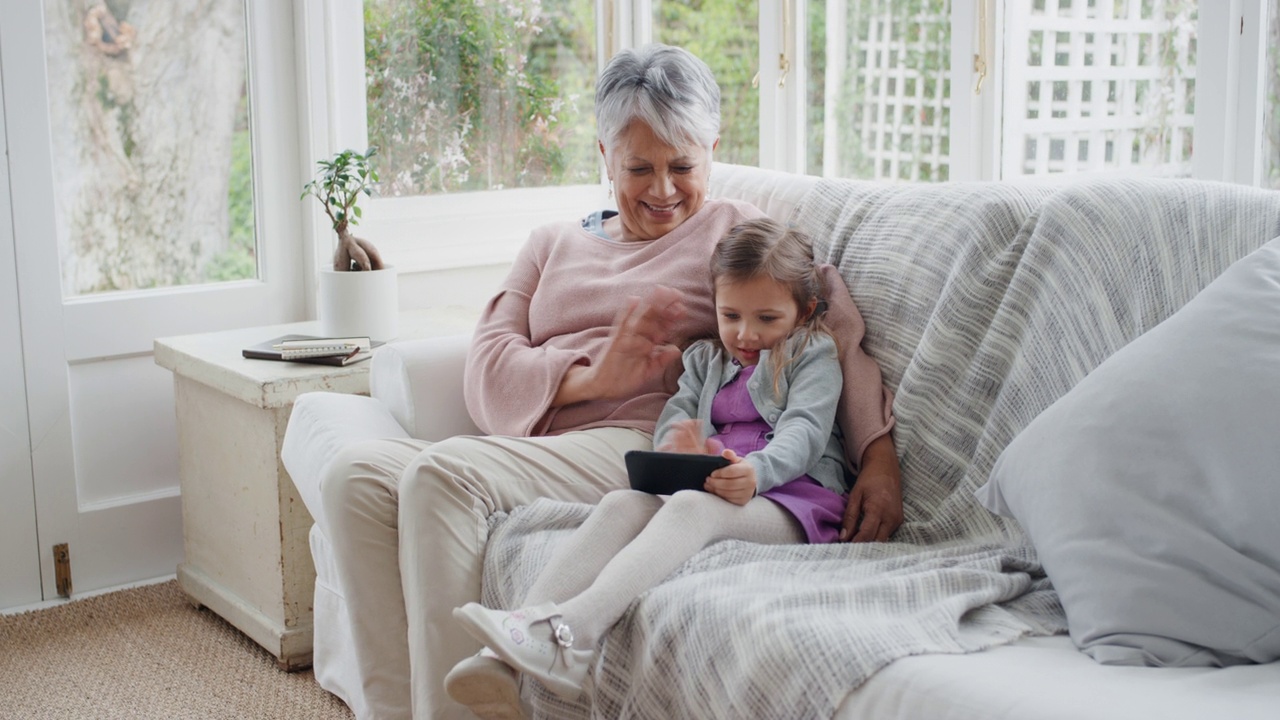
(1151, 490)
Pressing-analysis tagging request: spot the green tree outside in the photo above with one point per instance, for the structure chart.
(466, 95)
(726, 35)
(480, 96)
(239, 261)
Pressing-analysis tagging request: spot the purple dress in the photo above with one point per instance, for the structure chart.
(741, 428)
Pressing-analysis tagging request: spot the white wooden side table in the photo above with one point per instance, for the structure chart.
(244, 527)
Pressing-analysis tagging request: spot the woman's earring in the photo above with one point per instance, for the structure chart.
(610, 189)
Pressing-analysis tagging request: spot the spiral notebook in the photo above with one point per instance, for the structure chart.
(313, 350)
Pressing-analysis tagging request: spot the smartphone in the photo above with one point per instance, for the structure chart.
(664, 473)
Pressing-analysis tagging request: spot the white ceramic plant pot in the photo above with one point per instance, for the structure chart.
(358, 304)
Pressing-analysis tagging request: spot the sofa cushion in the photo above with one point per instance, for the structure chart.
(1150, 490)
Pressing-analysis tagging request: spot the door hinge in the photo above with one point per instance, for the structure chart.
(62, 569)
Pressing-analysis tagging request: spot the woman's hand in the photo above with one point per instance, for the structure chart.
(736, 482)
(875, 503)
(638, 352)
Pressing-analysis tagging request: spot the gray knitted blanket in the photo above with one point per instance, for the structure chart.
(984, 303)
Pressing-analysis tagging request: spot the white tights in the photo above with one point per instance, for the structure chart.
(633, 540)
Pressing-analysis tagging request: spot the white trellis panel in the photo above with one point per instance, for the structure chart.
(1094, 85)
(888, 115)
(1088, 85)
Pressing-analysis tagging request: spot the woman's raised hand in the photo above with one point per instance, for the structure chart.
(640, 347)
(639, 351)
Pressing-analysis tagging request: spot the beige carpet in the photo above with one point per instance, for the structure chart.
(145, 653)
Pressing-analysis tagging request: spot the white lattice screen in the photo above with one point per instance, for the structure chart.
(1099, 84)
(899, 90)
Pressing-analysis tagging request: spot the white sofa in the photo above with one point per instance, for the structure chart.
(968, 380)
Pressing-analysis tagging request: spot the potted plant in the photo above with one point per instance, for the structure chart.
(359, 296)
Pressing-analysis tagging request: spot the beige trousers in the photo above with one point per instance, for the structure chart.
(408, 522)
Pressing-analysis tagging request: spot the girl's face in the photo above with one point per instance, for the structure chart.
(658, 186)
(754, 315)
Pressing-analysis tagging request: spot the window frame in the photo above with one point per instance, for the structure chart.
(120, 323)
(1231, 92)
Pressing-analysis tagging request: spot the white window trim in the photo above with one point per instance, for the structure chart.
(1230, 91)
(783, 77)
(975, 119)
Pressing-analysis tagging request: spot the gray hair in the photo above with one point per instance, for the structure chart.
(668, 88)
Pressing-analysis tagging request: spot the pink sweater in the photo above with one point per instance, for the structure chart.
(559, 302)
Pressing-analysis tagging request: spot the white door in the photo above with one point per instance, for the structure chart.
(19, 565)
(127, 193)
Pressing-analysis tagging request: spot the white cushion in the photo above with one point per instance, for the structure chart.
(1151, 490)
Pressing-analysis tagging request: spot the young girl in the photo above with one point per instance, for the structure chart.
(764, 395)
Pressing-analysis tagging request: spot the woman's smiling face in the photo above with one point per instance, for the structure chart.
(657, 186)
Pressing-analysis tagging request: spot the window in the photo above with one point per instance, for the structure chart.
(465, 95)
(1085, 86)
(153, 168)
(483, 113)
(1093, 86)
(901, 90)
(880, 89)
(725, 34)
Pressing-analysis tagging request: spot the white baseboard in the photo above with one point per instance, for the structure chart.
(58, 602)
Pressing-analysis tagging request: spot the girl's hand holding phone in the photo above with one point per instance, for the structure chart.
(736, 482)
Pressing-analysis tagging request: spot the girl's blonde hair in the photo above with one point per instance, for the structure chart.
(765, 248)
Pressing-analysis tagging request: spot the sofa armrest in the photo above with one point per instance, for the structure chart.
(415, 390)
(420, 383)
(322, 424)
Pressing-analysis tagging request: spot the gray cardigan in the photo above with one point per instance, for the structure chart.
(802, 414)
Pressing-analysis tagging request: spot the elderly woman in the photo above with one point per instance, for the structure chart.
(568, 370)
